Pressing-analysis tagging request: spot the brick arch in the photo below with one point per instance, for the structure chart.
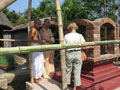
(89, 25)
(111, 35)
(84, 22)
(99, 22)
(89, 32)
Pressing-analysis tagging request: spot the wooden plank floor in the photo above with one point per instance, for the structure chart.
(45, 85)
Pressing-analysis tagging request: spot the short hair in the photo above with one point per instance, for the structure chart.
(46, 20)
(37, 21)
(72, 25)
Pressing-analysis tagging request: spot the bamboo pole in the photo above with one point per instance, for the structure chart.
(118, 19)
(105, 11)
(29, 28)
(28, 49)
(5, 3)
(119, 13)
(105, 14)
(114, 15)
(13, 40)
(62, 52)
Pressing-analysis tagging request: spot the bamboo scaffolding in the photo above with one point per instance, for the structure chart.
(28, 49)
(5, 3)
(29, 28)
(17, 40)
(114, 15)
(13, 40)
(118, 13)
(105, 11)
(105, 15)
(62, 52)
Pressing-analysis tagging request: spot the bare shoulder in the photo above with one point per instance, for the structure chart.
(33, 29)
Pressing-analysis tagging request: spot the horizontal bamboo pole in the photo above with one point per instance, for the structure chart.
(5, 3)
(12, 40)
(17, 40)
(27, 49)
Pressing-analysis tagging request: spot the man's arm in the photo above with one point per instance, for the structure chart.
(47, 39)
(33, 37)
(51, 39)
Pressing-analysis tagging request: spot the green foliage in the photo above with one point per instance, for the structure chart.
(45, 9)
(71, 9)
(7, 60)
(12, 16)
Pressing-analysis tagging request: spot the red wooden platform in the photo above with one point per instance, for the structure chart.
(104, 76)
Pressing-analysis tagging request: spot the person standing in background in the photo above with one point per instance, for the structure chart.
(73, 55)
(47, 38)
(37, 57)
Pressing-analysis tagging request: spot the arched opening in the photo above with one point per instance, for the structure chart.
(107, 33)
(82, 30)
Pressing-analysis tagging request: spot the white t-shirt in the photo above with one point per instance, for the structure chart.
(73, 38)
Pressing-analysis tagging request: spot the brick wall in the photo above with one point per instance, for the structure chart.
(93, 33)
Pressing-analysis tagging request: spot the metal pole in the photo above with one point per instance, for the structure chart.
(29, 28)
(62, 52)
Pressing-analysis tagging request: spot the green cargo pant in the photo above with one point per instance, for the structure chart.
(74, 61)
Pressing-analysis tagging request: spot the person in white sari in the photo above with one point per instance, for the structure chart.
(37, 57)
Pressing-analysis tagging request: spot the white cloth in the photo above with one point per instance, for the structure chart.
(37, 62)
(73, 38)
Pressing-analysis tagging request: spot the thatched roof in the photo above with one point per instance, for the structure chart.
(4, 21)
(25, 26)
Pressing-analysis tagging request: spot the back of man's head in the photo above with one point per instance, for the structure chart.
(37, 21)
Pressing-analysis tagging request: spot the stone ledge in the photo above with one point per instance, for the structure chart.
(3, 83)
(102, 58)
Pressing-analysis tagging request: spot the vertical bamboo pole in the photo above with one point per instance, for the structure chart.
(118, 20)
(29, 27)
(105, 14)
(119, 13)
(5, 3)
(114, 15)
(105, 11)
(62, 52)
